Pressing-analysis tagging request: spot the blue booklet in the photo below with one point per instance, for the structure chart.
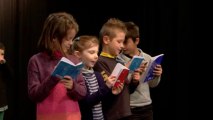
(135, 63)
(67, 67)
(148, 75)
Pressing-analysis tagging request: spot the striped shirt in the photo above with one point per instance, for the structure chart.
(93, 87)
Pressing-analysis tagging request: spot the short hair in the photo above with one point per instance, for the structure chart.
(109, 28)
(84, 42)
(132, 31)
(56, 25)
(2, 46)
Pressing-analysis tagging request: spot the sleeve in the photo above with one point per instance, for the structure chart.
(154, 82)
(100, 95)
(38, 90)
(132, 85)
(79, 88)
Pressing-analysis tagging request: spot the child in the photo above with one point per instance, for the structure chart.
(57, 99)
(112, 36)
(4, 79)
(140, 100)
(86, 48)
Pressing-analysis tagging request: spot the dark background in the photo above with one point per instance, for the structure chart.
(165, 27)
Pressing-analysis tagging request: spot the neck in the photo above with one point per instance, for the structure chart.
(87, 68)
(136, 52)
(106, 50)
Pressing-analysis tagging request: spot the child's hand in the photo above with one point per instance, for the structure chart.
(117, 90)
(142, 67)
(158, 70)
(68, 82)
(136, 76)
(128, 64)
(110, 81)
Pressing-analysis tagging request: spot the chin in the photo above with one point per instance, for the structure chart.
(91, 66)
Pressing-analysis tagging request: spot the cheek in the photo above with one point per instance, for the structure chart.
(85, 57)
(1, 58)
(114, 45)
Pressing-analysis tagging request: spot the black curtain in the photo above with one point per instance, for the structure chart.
(164, 27)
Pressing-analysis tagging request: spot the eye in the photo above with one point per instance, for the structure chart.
(91, 52)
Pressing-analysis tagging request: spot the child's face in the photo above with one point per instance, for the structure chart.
(67, 41)
(2, 60)
(129, 47)
(116, 44)
(90, 56)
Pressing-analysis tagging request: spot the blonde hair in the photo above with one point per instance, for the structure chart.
(109, 28)
(55, 28)
(84, 42)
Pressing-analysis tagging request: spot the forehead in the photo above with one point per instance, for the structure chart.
(92, 47)
(1, 51)
(71, 32)
(129, 40)
(119, 35)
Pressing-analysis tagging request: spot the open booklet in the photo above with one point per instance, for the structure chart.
(67, 67)
(121, 73)
(148, 74)
(135, 63)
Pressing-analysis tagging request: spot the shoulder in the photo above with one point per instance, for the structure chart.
(100, 62)
(146, 55)
(121, 58)
(97, 74)
(106, 60)
(73, 58)
(38, 56)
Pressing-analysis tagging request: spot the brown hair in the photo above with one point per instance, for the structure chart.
(109, 28)
(132, 31)
(2, 46)
(55, 27)
(84, 42)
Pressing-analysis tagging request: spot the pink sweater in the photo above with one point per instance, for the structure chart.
(54, 101)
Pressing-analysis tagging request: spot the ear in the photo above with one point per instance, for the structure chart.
(106, 39)
(54, 39)
(137, 40)
(77, 54)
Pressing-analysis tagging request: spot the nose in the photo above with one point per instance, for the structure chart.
(71, 41)
(96, 56)
(122, 45)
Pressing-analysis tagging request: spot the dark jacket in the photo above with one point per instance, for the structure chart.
(116, 106)
(89, 101)
(5, 76)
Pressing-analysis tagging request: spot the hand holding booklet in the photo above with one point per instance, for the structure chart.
(121, 73)
(67, 67)
(135, 63)
(148, 75)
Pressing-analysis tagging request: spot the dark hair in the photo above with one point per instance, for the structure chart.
(132, 31)
(55, 28)
(2, 46)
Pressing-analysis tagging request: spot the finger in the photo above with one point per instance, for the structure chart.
(67, 77)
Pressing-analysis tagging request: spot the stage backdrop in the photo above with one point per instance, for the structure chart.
(164, 27)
